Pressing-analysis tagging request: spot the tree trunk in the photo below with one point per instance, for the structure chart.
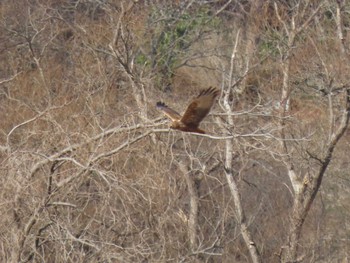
(193, 214)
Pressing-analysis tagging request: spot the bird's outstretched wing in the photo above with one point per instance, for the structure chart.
(172, 114)
(199, 107)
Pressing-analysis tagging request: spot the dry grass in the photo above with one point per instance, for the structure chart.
(81, 181)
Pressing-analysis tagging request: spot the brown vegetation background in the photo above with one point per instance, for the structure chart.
(89, 171)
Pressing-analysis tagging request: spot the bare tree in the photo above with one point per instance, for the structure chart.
(306, 185)
(230, 176)
(90, 171)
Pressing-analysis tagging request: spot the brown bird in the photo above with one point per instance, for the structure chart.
(195, 112)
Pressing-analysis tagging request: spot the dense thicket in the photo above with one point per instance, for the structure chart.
(90, 171)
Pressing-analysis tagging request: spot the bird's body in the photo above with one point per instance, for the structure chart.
(194, 114)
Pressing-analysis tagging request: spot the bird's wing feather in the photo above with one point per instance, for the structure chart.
(172, 114)
(199, 107)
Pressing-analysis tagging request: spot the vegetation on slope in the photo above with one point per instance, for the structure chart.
(90, 171)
